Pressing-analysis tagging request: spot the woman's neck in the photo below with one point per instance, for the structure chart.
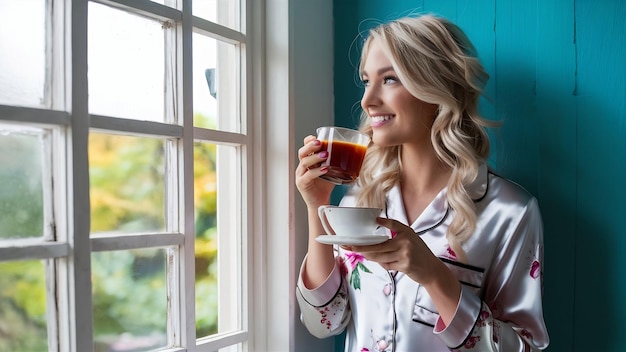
(422, 177)
(422, 171)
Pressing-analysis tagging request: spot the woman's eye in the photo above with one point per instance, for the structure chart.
(365, 82)
(390, 79)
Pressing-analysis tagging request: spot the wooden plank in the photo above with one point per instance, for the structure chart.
(24, 250)
(135, 127)
(77, 266)
(556, 112)
(477, 19)
(34, 115)
(515, 48)
(119, 242)
(601, 171)
(145, 8)
(445, 8)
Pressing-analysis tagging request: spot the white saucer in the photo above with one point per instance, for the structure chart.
(352, 241)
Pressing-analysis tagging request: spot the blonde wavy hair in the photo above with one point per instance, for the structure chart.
(436, 62)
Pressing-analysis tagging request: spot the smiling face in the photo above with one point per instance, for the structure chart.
(396, 116)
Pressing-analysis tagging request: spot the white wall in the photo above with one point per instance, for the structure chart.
(299, 98)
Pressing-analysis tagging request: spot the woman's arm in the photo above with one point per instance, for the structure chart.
(324, 310)
(511, 316)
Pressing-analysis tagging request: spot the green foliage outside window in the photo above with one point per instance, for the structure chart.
(136, 205)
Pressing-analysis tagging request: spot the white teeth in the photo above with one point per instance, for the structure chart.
(381, 118)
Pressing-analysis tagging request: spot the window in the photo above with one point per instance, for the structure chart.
(127, 145)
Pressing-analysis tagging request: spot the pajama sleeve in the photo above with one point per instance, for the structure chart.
(510, 316)
(324, 310)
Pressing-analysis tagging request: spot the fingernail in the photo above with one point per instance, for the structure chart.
(393, 233)
(324, 169)
(323, 154)
(317, 142)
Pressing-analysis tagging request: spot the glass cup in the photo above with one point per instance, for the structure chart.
(346, 150)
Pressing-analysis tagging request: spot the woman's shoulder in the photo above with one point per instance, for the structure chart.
(507, 191)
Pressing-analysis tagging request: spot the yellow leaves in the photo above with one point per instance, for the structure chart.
(127, 178)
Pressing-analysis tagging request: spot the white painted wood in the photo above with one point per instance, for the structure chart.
(78, 262)
(57, 296)
(32, 249)
(221, 137)
(184, 73)
(135, 127)
(255, 243)
(145, 8)
(120, 242)
(218, 31)
(278, 321)
(232, 169)
(34, 115)
(52, 323)
(218, 341)
(47, 184)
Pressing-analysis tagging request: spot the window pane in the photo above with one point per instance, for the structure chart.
(21, 193)
(215, 85)
(22, 34)
(126, 65)
(126, 175)
(23, 306)
(218, 216)
(224, 12)
(130, 300)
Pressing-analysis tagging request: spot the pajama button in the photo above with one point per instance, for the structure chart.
(387, 290)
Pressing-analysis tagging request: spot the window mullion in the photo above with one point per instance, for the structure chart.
(186, 167)
(76, 308)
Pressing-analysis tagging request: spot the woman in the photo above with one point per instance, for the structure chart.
(462, 270)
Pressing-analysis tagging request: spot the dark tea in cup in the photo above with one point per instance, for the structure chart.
(346, 150)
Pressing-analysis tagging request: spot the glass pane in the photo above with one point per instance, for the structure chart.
(23, 35)
(23, 324)
(21, 192)
(215, 85)
(130, 300)
(126, 175)
(217, 219)
(224, 12)
(126, 65)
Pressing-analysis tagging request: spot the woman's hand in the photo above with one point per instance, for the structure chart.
(314, 190)
(405, 252)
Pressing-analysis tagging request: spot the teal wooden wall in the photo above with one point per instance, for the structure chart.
(558, 81)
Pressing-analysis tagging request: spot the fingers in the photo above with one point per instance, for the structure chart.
(311, 145)
(393, 225)
(310, 156)
(308, 139)
(386, 247)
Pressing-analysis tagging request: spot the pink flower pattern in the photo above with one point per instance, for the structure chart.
(449, 253)
(472, 341)
(354, 264)
(329, 314)
(354, 258)
(535, 269)
(534, 264)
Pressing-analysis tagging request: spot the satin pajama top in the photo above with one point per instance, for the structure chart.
(500, 308)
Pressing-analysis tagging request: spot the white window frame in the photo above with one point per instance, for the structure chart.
(290, 70)
(69, 295)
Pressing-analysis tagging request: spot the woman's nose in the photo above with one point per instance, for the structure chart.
(370, 97)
